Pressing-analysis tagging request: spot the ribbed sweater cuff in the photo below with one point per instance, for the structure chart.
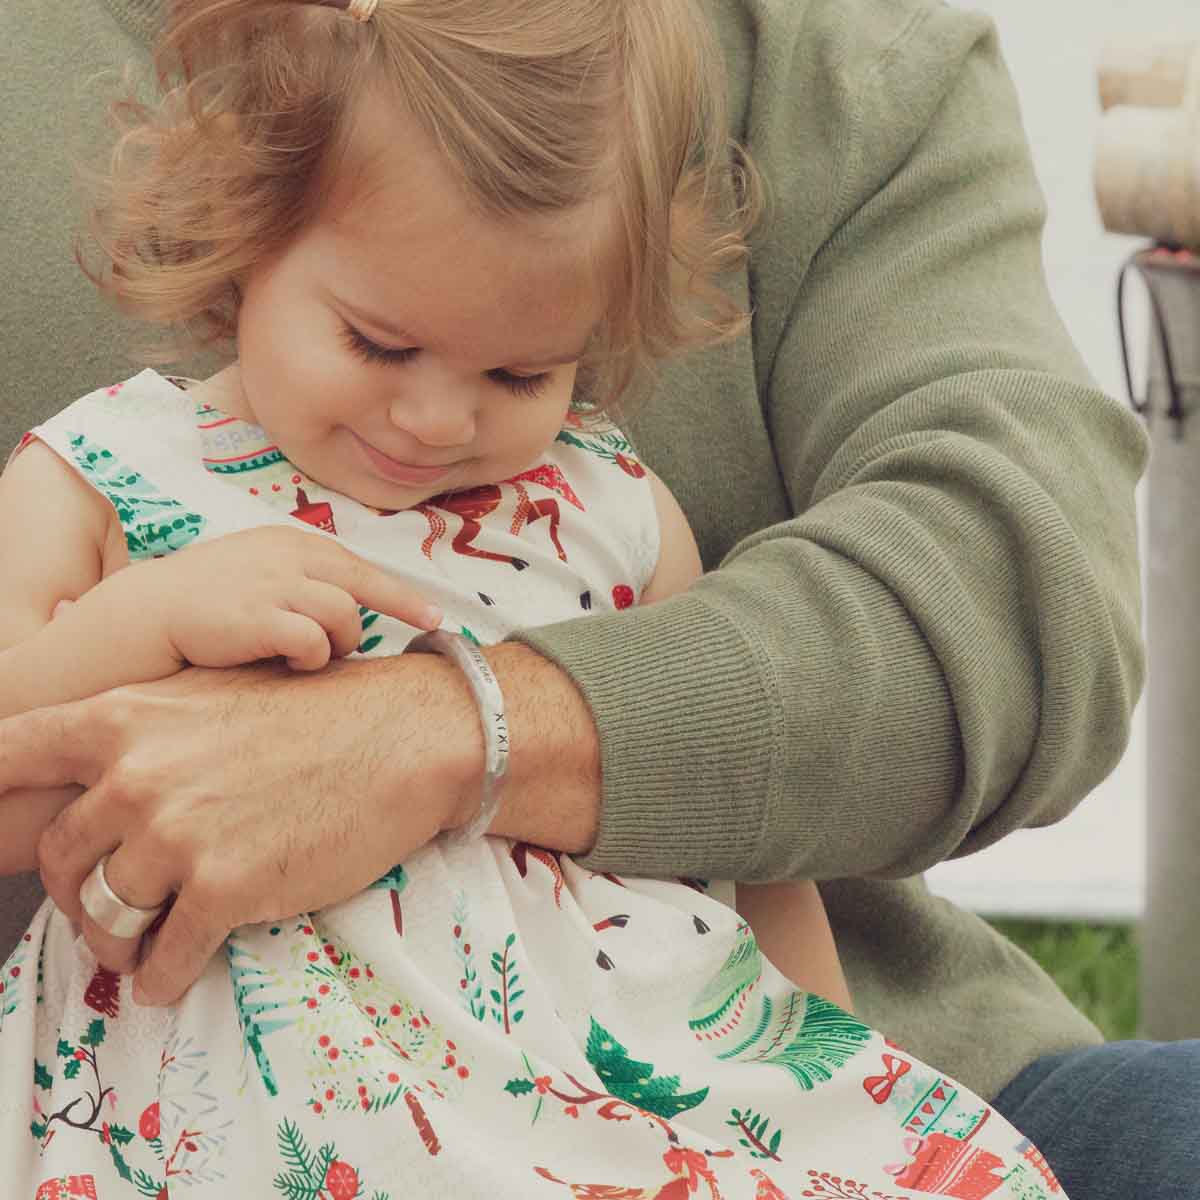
(685, 785)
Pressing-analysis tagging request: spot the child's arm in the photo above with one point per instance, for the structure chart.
(54, 538)
(792, 929)
(788, 919)
(258, 594)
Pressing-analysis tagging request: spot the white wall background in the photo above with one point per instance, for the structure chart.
(1090, 865)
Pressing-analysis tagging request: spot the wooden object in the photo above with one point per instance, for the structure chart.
(1147, 168)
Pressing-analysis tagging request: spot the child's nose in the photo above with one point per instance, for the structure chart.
(436, 416)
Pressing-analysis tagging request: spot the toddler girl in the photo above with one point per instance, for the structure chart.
(446, 236)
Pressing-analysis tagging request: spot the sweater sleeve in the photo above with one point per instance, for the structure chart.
(942, 645)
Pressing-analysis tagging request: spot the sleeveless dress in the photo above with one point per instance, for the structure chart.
(487, 1020)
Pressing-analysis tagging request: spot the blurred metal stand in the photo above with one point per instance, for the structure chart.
(1170, 937)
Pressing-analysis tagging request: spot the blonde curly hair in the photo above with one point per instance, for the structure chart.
(536, 105)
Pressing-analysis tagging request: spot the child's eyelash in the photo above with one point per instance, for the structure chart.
(520, 385)
(369, 351)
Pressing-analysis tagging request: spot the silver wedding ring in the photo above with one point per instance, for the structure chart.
(109, 911)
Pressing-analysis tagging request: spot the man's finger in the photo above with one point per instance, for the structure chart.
(191, 934)
(72, 844)
(43, 749)
(139, 883)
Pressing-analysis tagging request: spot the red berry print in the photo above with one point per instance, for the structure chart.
(149, 1124)
(622, 596)
(341, 1181)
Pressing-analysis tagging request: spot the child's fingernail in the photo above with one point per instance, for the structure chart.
(433, 616)
(139, 995)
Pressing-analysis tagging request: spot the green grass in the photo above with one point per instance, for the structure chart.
(1096, 965)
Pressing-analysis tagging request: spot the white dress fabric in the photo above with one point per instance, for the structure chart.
(488, 1020)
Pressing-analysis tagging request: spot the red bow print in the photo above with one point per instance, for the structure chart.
(879, 1087)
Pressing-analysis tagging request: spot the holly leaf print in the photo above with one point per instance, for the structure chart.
(519, 1087)
(95, 1034)
(41, 1077)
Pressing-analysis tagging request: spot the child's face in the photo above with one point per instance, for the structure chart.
(403, 345)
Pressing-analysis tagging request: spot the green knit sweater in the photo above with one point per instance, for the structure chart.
(920, 629)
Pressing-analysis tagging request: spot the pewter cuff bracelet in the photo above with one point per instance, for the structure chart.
(490, 699)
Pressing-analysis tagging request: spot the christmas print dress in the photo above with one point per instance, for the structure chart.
(488, 1019)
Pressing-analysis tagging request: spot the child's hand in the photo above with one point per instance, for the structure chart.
(266, 593)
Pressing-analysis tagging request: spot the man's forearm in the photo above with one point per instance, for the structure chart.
(552, 793)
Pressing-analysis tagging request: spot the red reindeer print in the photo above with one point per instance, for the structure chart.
(470, 507)
(689, 1169)
(474, 504)
(521, 852)
(529, 511)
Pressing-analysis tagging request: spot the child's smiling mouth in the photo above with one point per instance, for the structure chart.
(397, 471)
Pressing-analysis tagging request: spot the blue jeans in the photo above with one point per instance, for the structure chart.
(1115, 1122)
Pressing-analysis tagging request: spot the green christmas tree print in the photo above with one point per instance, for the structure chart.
(249, 979)
(808, 1037)
(633, 1081)
(727, 993)
(154, 524)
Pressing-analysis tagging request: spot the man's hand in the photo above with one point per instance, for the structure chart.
(253, 794)
(250, 795)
